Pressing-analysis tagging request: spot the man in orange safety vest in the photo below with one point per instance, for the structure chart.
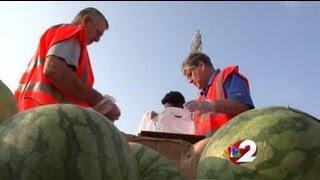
(223, 93)
(60, 70)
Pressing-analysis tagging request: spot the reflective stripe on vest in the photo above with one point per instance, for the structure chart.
(35, 85)
(44, 88)
(219, 87)
(34, 72)
(35, 62)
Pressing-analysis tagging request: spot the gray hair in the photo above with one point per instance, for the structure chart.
(193, 59)
(93, 12)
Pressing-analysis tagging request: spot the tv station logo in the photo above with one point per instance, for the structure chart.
(242, 151)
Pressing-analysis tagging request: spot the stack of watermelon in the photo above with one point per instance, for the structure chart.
(8, 105)
(60, 141)
(68, 142)
(64, 142)
(285, 144)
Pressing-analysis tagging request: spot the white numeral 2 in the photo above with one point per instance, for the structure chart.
(248, 157)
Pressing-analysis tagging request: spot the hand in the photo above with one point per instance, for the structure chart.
(201, 106)
(104, 106)
(152, 114)
(114, 113)
(108, 108)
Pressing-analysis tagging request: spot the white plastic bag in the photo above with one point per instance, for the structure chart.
(171, 120)
(149, 123)
(176, 120)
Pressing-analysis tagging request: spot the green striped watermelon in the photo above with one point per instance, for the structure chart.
(63, 142)
(8, 105)
(287, 147)
(152, 165)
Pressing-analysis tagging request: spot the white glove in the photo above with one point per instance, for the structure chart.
(110, 97)
(105, 105)
(201, 106)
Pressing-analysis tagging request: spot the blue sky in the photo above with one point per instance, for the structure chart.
(275, 44)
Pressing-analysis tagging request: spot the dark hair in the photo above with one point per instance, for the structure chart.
(92, 12)
(193, 59)
(174, 98)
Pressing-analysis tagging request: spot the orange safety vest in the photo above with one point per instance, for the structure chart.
(35, 89)
(207, 124)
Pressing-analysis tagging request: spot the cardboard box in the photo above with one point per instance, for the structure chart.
(179, 149)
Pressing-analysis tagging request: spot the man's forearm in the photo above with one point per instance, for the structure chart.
(64, 79)
(230, 106)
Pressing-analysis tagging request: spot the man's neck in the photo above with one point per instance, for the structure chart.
(210, 75)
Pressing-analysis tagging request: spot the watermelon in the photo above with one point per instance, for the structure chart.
(8, 105)
(152, 165)
(64, 142)
(287, 147)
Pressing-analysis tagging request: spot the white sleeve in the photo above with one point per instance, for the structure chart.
(69, 50)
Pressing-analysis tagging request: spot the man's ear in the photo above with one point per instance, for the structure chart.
(85, 19)
(202, 65)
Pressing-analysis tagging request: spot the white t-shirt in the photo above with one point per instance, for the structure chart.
(69, 50)
(171, 120)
